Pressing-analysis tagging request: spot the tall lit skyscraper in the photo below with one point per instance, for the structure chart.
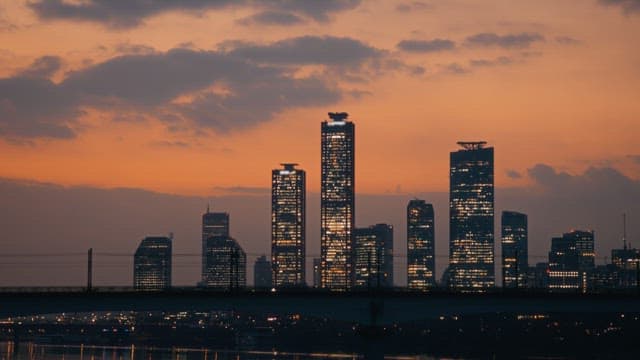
(420, 245)
(471, 211)
(226, 263)
(262, 273)
(571, 260)
(288, 226)
(514, 249)
(337, 202)
(152, 264)
(373, 256)
(213, 224)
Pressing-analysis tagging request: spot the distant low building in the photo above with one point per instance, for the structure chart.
(226, 263)
(571, 260)
(262, 273)
(152, 264)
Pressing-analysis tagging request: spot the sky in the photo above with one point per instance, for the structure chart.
(198, 100)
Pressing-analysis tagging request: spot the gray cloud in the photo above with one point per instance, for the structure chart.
(327, 50)
(413, 6)
(513, 174)
(269, 17)
(567, 40)
(43, 67)
(130, 13)
(628, 6)
(518, 41)
(634, 158)
(455, 68)
(228, 89)
(169, 144)
(425, 46)
(128, 48)
(501, 60)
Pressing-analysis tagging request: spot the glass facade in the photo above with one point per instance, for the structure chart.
(373, 256)
(262, 273)
(213, 224)
(337, 202)
(152, 264)
(420, 245)
(288, 226)
(514, 249)
(226, 263)
(471, 214)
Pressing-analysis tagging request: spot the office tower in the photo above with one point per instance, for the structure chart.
(373, 256)
(213, 224)
(226, 263)
(337, 202)
(288, 226)
(471, 257)
(421, 245)
(571, 260)
(317, 272)
(152, 264)
(514, 249)
(262, 273)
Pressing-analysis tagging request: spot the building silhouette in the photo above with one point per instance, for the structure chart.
(262, 273)
(514, 249)
(421, 247)
(471, 214)
(373, 256)
(152, 264)
(317, 273)
(337, 202)
(226, 263)
(288, 226)
(571, 261)
(213, 224)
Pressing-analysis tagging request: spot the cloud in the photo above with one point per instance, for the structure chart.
(131, 13)
(455, 68)
(304, 50)
(269, 17)
(501, 60)
(426, 46)
(242, 190)
(628, 6)
(169, 144)
(513, 174)
(567, 40)
(634, 158)
(509, 41)
(43, 67)
(413, 6)
(222, 90)
(127, 48)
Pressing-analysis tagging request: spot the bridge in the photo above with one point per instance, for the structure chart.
(382, 307)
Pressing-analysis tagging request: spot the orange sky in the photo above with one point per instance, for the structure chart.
(569, 104)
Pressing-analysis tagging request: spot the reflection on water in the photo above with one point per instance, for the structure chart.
(32, 351)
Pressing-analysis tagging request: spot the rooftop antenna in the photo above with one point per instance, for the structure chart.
(624, 230)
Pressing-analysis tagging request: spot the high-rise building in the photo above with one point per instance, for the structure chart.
(262, 273)
(421, 245)
(317, 272)
(213, 224)
(288, 226)
(152, 264)
(226, 263)
(471, 212)
(571, 260)
(337, 202)
(373, 256)
(514, 249)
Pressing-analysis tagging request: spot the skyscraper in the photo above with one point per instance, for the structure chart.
(571, 260)
(420, 245)
(337, 202)
(288, 226)
(226, 263)
(471, 211)
(373, 256)
(262, 273)
(514, 249)
(152, 264)
(213, 224)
